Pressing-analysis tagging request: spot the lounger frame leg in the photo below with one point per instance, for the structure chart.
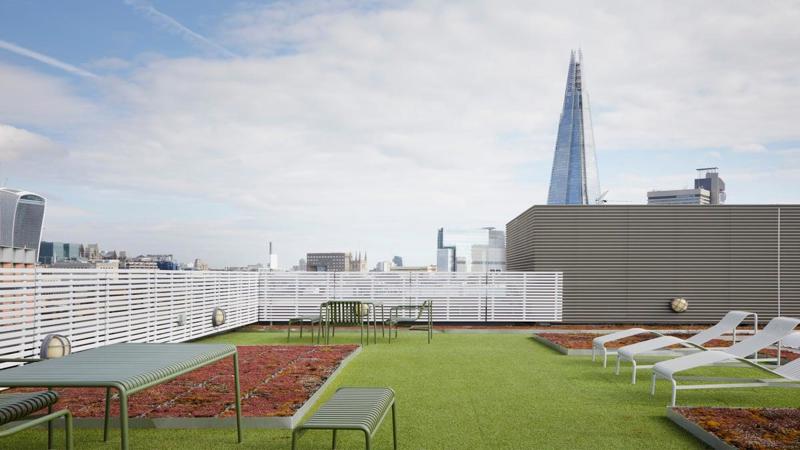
(394, 427)
(333, 440)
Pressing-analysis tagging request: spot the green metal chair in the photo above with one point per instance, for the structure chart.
(342, 313)
(302, 320)
(14, 407)
(411, 315)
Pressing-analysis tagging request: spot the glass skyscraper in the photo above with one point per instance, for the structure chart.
(474, 250)
(574, 180)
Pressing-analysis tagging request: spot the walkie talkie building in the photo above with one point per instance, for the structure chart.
(21, 219)
(574, 180)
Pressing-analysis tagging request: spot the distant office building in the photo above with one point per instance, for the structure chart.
(328, 262)
(336, 262)
(199, 264)
(109, 264)
(574, 179)
(141, 264)
(383, 266)
(679, 197)
(397, 261)
(708, 179)
(272, 264)
(21, 221)
(167, 265)
(91, 252)
(709, 189)
(59, 252)
(301, 265)
(477, 250)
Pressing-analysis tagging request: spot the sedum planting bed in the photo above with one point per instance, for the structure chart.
(583, 341)
(749, 428)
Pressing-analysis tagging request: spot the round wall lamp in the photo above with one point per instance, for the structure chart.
(55, 346)
(218, 317)
(679, 304)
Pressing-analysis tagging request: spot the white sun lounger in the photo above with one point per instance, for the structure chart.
(727, 324)
(599, 343)
(776, 330)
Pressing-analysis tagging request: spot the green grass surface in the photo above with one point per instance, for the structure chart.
(471, 391)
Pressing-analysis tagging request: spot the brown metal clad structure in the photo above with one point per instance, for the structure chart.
(625, 263)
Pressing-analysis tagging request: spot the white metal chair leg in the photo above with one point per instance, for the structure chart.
(674, 391)
(653, 386)
(618, 361)
(633, 373)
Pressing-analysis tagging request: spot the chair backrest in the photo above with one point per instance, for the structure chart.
(792, 340)
(727, 324)
(791, 369)
(345, 312)
(777, 329)
(423, 309)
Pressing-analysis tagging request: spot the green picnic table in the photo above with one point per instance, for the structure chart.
(128, 368)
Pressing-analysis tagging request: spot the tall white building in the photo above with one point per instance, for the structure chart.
(21, 221)
(473, 250)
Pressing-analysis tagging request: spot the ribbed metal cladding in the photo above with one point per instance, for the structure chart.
(625, 263)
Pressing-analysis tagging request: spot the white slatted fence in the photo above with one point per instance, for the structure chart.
(100, 307)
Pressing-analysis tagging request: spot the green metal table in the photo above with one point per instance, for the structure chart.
(128, 368)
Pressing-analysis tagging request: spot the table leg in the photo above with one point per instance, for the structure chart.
(383, 323)
(374, 325)
(238, 398)
(50, 425)
(107, 414)
(123, 418)
(68, 430)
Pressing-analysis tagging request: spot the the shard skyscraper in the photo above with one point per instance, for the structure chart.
(574, 180)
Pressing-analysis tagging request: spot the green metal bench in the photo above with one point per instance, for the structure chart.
(14, 407)
(353, 408)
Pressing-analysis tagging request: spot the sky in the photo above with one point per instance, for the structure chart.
(205, 129)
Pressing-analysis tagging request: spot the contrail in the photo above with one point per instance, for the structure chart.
(173, 25)
(45, 59)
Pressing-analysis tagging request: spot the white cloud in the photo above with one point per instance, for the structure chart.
(28, 98)
(17, 142)
(359, 128)
(749, 148)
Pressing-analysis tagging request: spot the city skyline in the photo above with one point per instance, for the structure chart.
(336, 126)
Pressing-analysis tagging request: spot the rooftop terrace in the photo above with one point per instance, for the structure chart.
(471, 389)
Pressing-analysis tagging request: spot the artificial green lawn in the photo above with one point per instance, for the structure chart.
(468, 391)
